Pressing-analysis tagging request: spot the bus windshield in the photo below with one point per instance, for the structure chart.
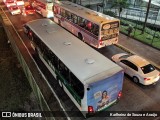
(109, 30)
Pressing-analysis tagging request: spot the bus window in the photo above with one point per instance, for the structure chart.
(55, 9)
(58, 10)
(48, 54)
(74, 18)
(41, 47)
(36, 39)
(81, 22)
(89, 25)
(77, 85)
(54, 60)
(95, 30)
(64, 71)
(62, 12)
(68, 15)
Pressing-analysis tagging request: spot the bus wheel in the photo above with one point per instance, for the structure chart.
(80, 36)
(59, 22)
(135, 79)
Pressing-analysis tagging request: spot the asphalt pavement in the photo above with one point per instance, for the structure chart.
(136, 47)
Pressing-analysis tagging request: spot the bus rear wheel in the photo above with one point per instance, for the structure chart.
(80, 36)
(59, 22)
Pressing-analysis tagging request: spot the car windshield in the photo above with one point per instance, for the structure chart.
(148, 68)
(124, 56)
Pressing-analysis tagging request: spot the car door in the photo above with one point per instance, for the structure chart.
(129, 67)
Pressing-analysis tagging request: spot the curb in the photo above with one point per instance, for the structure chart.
(131, 52)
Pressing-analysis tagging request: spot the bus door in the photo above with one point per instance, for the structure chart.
(66, 20)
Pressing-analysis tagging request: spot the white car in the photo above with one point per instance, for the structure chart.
(138, 68)
(20, 2)
(14, 10)
(10, 3)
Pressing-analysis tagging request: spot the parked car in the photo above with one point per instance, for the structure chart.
(29, 9)
(9, 3)
(20, 2)
(138, 68)
(14, 10)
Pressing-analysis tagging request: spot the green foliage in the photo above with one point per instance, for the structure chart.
(120, 5)
(87, 6)
(123, 29)
(140, 27)
(150, 36)
(157, 35)
(110, 13)
(127, 23)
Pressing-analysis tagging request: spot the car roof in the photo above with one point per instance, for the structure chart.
(137, 60)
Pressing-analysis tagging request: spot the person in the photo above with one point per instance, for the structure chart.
(130, 29)
(104, 101)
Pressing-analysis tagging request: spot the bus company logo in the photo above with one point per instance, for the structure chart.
(6, 114)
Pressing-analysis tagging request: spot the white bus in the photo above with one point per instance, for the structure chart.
(43, 7)
(92, 27)
(92, 81)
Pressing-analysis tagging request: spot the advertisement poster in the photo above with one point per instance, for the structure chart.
(103, 93)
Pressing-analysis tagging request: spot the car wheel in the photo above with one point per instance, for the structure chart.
(135, 79)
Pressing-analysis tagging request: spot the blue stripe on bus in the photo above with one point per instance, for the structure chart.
(80, 28)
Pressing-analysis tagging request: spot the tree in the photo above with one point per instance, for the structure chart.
(145, 22)
(120, 5)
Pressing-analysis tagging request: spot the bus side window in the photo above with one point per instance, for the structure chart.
(96, 30)
(81, 22)
(54, 60)
(62, 12)
(26, 28)
(41, 47)
(36, 40)
(55, 9)
(74, 18)
(89, 26)
(64, 71)
(77, 85)
(48, 54)
(68, 15)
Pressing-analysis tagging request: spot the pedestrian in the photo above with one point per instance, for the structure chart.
(130, 29)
